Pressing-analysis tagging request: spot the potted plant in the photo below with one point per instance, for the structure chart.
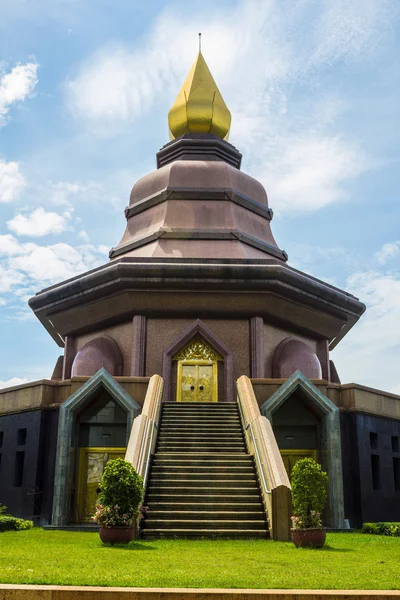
(121, 491)
(309, 492)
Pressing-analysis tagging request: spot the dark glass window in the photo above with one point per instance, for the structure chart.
(396, 473)
(376, 475)
(373, 440)
(1, 438)
(19, 468)
(395, 443)
(21, 437)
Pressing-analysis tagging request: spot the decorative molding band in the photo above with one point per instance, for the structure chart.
(200, 234)
(199, 147)
(211, 194)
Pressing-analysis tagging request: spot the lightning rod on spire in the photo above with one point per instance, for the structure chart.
(199, 42)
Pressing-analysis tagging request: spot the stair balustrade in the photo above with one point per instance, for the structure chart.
(261, 442)
(143, 436)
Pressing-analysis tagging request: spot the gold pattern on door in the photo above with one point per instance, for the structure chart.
(90, 470)
(290, 458)
(197, 382)
(197, 372)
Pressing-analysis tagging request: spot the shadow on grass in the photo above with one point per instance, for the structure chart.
(328, 548)
(132, 546)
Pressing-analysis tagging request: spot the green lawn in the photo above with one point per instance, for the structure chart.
(348, 561)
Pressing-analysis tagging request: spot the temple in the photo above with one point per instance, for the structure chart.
(200, 355)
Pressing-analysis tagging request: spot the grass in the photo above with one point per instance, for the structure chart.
(348, 561)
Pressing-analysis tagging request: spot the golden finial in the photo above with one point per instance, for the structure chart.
(199, 106)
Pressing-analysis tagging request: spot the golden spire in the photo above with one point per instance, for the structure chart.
(199, 106)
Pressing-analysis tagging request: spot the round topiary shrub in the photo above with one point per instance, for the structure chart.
(309, 493)
(121, 491)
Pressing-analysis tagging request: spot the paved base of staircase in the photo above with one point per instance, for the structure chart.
(58, 592)
(202, 482)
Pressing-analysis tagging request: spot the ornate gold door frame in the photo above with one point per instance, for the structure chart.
(197, 381)
(90, 469)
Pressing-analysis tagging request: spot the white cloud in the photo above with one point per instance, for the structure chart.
(312, 160)
(39, 223)
(9, 246)
(5, 383)
(29, 265)
(387, 252)
(16, 85)
(12, 182)
(61, 191)
(9, 278)
(83, 236)
(240, 45)
(369, 354)
(310, 172)
(49, 264)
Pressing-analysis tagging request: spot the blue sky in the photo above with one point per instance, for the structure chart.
(313, 87)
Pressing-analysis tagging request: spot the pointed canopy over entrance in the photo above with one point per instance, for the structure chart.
(101, 379)
(331, 442)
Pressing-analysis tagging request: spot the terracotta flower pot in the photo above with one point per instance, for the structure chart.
(311, 538)
(116, 535)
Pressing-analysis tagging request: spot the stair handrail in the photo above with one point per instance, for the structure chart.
(143, 436)
(261, 442)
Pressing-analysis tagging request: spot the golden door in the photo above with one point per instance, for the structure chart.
(90, 470)
(290, 458)
(197, 382)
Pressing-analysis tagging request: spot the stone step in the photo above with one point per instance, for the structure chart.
(235, 441)
(231, 458)
(199, 409)
(183, 449)
(194, 421)
(193, 496)
(200, 469)
(252, 504)
(210, 409)
(201, 466)
(205, 405)
(194, 534)
(207, 515)
(204, 492)
(203, 477)
(202, 481)
(150, 523)
(201, 437)
(200, 427)
(190, 414)
(206, 447)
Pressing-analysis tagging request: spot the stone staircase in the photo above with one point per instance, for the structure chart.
(202, 481)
